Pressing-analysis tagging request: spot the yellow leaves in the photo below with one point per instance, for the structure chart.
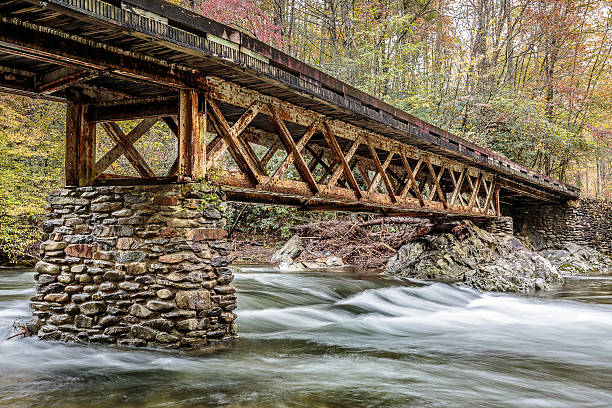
(31, 162)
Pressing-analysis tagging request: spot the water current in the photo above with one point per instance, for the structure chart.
(339, 339)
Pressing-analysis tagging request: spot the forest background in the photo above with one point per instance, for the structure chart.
(529, 79)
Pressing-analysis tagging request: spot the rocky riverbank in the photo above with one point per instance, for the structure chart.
(493, 261)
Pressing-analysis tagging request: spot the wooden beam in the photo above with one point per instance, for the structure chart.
(364, 175)
(339, 170)
(411, 181)
(379, 175)
(475, 190)
(198, 140)
(497, 205)
(136, 160)
(240, 152)
(489, 195)
(293, 150)
(63, 78)
(381, 171)
(172, 125)
(458, 185)
(80, 146)
(337, 152)
(132, 137)
(186, 129)
(270, 153)
(436, 181)
(133, 108)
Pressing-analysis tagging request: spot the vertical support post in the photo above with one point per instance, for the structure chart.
(80, 146)
(198, 145)
(497, 206)
(191, 149)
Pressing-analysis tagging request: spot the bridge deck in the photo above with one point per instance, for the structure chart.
(120, 60)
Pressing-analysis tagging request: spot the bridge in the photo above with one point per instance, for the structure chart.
(233, 99)
(135, 259)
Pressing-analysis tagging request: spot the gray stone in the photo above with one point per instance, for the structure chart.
(160, 324)
(193, 299)
(47, 268)
(139, 310)
(164, 294)
(107, 287)
(143, 332)
(93, 308)
(291, 250)
(81, 297)
(83, 321)
(108, 321)
(45, 279)
(160, 306)
(166, 338)
(130, 256)
(114, 276)
(129, 286)
(64, 278)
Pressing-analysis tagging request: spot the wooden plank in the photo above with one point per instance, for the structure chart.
(132, 137)
(63, 78)
(294, 151)
(412, 181)
(337, 152)
(381, 170)
(136, 160)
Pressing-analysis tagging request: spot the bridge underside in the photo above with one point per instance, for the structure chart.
(257, 139)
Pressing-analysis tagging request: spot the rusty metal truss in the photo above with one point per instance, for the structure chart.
(263, 149)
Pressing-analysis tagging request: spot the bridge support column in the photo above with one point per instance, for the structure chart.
(136, 266)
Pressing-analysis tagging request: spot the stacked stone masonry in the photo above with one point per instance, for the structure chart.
(137, 266)
(499, 225)
(585, 222)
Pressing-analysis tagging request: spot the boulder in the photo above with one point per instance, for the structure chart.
(491, 262)
(291, 250)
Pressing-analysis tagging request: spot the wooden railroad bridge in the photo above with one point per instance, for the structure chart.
(287, 133)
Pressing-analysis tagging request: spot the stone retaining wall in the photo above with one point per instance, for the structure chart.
(500, 225)
(585, 222)
(137, 266)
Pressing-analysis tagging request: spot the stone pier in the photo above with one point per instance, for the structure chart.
(136, 266)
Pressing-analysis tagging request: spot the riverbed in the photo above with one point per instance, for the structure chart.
(339, 339)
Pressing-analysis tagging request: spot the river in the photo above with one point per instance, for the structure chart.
(330, 339)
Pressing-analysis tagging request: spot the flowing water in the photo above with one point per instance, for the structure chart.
(330, 339)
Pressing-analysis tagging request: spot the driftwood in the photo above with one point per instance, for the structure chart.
(391, 220)
(357, 244)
